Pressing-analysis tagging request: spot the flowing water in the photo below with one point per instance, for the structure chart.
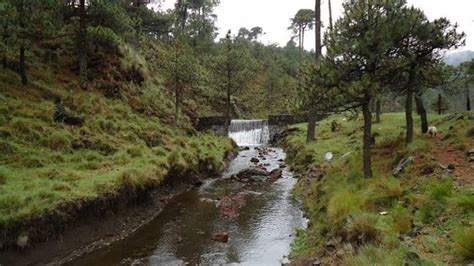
(260, 231)
(249, 132)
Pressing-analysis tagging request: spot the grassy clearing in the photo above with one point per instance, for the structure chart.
(383, 219)
(43, 164)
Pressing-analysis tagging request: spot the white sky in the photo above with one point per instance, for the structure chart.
(274, 16)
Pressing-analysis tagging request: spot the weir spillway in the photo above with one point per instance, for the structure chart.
(249, 132)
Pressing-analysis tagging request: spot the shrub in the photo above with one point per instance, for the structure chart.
(4, 175)
(402, 220)
(135, 152)
(300, 244)
(62, 186)
(384, 191)
(58, 141)
(343, 203)
(6, 148)
(470, 133)
(176, 162)
(121, 158)
(362, 229)
(464, 242)
(430, 210)
(439, 191)
(464, 200)
(32, 161)
(371, 255)
(25, 129)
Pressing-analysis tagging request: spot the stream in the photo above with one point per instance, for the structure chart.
(259, 218)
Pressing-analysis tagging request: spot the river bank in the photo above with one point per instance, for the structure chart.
(81, 227)
(424, 215)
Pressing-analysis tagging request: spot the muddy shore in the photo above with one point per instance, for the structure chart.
(78, 228)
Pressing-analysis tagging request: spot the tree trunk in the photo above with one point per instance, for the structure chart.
(420, 107)
(468, 97)
(330, 15)
(4, 60)
(311, 131)
(22, 63)
(176, 104)
(440, 99)
(409, 115)
(270, 105)
(22, 66)
(227, 114)
(228, 99)
(409, 104)
(378, 110)
(82, 43)
(367, 139)
(5, 36)
(300, 45)
(318, 31)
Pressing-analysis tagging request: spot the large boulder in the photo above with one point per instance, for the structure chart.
(251, 172)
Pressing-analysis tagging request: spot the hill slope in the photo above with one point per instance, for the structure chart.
(427, 210)
(127, 141)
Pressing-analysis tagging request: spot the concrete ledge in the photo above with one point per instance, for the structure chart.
(284, 120)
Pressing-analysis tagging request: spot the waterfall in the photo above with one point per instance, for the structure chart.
(249, 132)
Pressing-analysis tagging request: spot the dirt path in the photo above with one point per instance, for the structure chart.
(446, 154)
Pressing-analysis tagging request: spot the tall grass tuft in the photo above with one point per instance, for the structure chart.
(464, 242)
(4, 175)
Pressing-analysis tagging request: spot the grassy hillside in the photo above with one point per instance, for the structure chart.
(357, 221)
(127, 140)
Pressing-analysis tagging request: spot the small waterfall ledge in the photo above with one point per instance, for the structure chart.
(249, 132)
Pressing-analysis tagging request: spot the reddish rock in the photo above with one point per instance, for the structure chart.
(277, 173)
(221, 237)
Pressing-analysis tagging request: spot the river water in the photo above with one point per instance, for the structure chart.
(260, 227)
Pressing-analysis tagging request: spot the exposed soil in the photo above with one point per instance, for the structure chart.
(78, 228)
(446, 154)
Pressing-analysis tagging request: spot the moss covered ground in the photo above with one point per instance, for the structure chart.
(426, 212)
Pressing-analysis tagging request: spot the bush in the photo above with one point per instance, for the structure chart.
(24, 128)
(464, 200)
(4, 175)
(439, 191)
(384, 192)
(402, 220)
(470, 133)
(32, 161)
(6, 148)
(464, 242)
(430, 210)
(343, 203)
(371, 255)
(58, 141)
(361, 229)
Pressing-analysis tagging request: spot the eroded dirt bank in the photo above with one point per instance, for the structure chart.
(77, 228)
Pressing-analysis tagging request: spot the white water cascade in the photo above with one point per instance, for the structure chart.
(249, 132)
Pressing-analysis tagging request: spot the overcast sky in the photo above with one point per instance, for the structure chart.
(274, 16)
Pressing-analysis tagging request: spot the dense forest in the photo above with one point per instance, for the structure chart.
(100, 97)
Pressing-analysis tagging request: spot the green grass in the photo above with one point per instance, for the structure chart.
(464, 242)
(43, 164)
(374, 213)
